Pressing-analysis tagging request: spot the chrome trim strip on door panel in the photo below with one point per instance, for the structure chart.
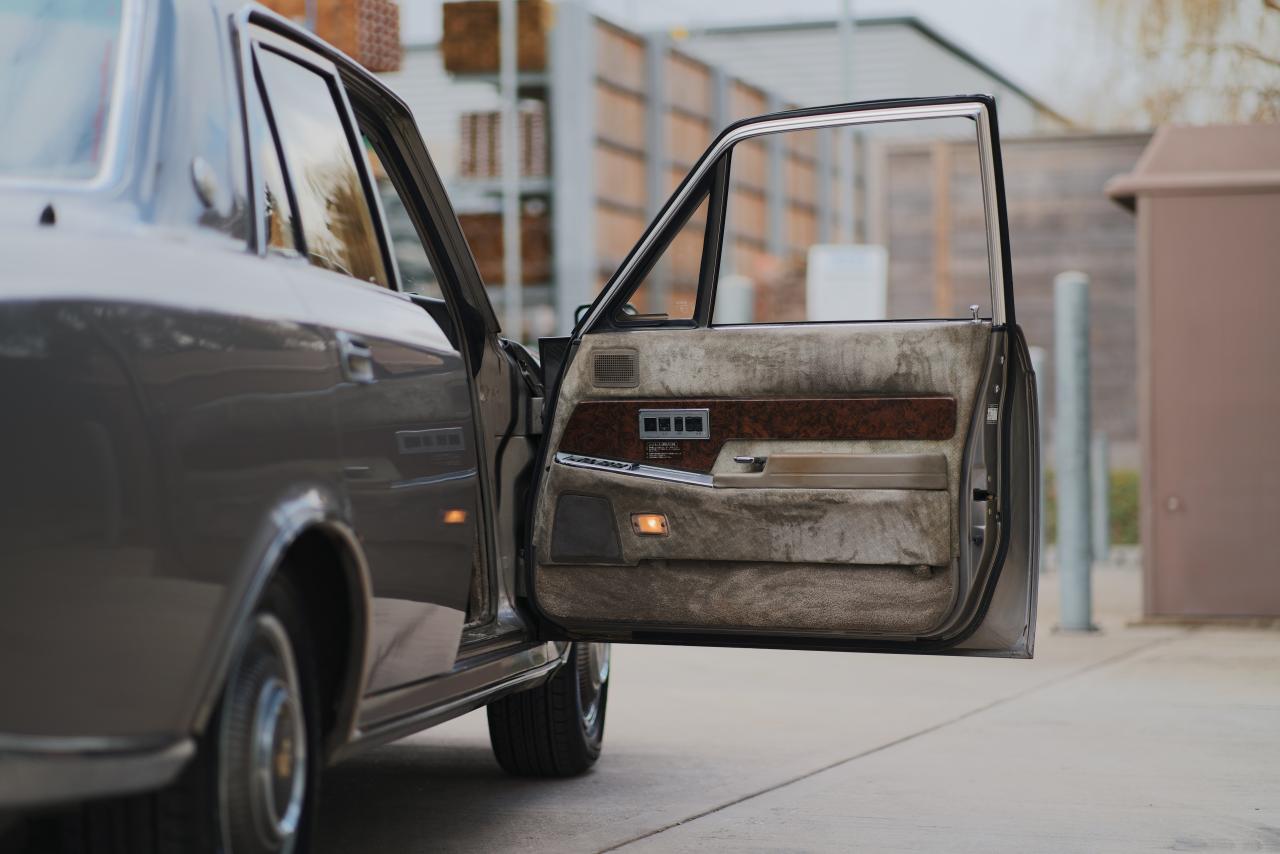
(431, 480)
(991, 209)
(634, 469)
(966, 109)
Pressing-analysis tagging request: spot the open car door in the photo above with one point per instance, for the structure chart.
(756, 442)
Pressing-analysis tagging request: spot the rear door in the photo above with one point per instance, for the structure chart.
(771, 432)
(402, 399)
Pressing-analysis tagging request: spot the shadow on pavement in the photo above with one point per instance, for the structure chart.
(410, 796)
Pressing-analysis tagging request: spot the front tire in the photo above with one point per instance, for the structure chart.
(556, 729)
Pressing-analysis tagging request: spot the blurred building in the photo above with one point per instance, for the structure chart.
(893, 57)
(1060, 218)
(611, 119)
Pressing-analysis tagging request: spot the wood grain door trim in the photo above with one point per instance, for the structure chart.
(611, 428)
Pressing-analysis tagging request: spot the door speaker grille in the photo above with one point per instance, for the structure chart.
(615, 369)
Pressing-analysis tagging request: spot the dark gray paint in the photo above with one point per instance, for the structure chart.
(177, 417)
(407, 451)
(163, 418)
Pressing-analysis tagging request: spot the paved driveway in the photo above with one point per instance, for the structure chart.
(1134, 738)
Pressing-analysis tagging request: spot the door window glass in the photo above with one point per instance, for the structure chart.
(279, 212)
(877, 222)
(417, 276)
(669, 290)
(277, 209)
(337, 225)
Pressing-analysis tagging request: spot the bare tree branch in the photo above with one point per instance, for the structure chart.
(1252, 52)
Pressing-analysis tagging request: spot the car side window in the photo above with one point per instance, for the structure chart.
(898, 233)
(279, 211)
(669, 290)
(277, 208)
(919, 251)
(337, 225)
(417, 276)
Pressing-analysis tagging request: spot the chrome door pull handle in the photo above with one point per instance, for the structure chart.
(750, 461)
(356, 358)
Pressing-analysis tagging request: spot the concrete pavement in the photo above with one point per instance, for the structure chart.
(1133, 738)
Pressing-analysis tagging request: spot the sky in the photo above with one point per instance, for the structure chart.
(1046, 46)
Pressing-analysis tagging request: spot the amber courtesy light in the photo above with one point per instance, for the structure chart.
(455, 516)
(653, 524)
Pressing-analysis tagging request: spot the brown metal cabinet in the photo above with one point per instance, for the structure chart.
(1208, 206)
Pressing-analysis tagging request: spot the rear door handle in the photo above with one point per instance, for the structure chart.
(356, 358)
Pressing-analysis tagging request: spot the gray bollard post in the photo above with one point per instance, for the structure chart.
(1037, 365)
(1071, 446)
(1100, 481)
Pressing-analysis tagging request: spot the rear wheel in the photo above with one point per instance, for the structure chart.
(556, 729)
(253, 784)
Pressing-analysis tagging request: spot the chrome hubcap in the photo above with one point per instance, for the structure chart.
(593, 673)
(277, 745)
(278, 762)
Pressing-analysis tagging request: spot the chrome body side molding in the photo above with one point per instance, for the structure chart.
(474, 683)
(40, 770)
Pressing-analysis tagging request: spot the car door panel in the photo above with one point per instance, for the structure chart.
(849, 485)
(1008, 625)
(881, 558)
(409, 468)
(401, 400)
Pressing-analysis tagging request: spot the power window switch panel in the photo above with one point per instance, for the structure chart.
(666, 424)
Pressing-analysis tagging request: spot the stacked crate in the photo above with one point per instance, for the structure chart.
(653, 109)
(378, 34)
(621, 158)
(484, 234)
(470, 36)
(469, 49)
(480, 156)
(366, 30)
(480, 152)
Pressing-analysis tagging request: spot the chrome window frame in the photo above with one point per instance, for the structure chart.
(975, 110)
(253, 38)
